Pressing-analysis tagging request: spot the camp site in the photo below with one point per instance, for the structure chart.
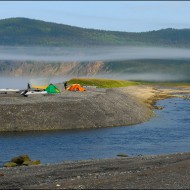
(42, 86)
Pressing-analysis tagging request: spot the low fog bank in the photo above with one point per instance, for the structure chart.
(149, 77)
(21, 82)
(124, 63)
(55, 54)
(13, 82)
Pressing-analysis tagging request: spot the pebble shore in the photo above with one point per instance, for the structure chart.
(94, 108)
(142, 172)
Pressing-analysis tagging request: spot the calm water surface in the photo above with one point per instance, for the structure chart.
(21, 82)
(167, 132)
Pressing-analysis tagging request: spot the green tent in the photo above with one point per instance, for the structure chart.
(52, 89)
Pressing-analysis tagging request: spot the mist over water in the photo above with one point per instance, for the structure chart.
(161, 77)
(13, 82)
(21, 82)
(111, 53)
(106, 54)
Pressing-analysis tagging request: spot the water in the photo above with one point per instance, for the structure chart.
(167, 132)
(21, 82)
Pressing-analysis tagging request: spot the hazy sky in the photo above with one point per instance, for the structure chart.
(131, 16)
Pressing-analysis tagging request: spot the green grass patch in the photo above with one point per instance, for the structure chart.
(102, 83)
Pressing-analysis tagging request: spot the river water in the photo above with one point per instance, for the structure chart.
(21, 82)
(167, 132)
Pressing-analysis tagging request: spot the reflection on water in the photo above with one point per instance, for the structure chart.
(168, 132)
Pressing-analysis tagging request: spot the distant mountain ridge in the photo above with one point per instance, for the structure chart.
(30, 32)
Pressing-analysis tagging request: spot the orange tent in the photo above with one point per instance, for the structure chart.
(76, 87)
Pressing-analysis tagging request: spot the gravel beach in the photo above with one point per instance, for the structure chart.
(142, 172)
(93, 108)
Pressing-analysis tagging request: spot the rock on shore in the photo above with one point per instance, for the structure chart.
(72, 110)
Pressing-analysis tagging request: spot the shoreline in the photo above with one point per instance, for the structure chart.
(152, 172)
(95, 108)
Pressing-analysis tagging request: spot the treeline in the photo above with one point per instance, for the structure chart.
(23, 31)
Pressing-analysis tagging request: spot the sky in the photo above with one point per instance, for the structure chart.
(128, 16)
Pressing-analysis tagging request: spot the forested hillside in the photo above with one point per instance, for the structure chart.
(27, 32)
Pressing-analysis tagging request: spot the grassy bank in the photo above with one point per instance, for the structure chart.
(172, 84)
(102, 83)
(108, 83)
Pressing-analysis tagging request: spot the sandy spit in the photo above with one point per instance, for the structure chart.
(71, 110)
(94, 108)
